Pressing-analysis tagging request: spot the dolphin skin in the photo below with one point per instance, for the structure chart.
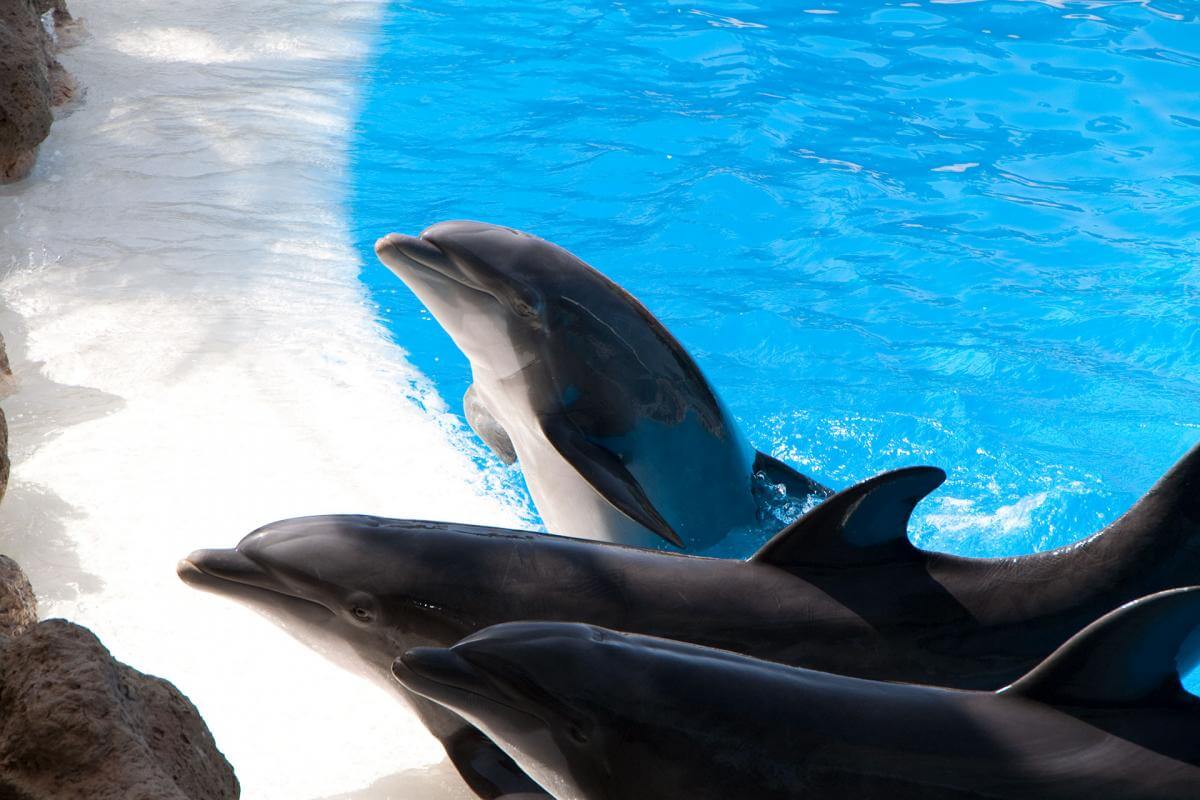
(593, 714)
(841, 590)
(618, 433)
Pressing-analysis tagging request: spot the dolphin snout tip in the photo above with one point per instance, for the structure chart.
(385, 244)
(190, 572)
(399, 668)
(409, 662)
(437, 664)
(218, 566)
(404, 670)
(399, 251)
(187, 571)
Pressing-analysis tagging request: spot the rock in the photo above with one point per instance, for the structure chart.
(6, 388)
(76, 724)
(61, 15)
(18, 606)
(31, 82)
(5, 461)
(8, 382)
(5, 368)
(24, 87)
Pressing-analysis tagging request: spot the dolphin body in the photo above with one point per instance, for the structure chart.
(593, 714)
(841, 590)
(618, 433)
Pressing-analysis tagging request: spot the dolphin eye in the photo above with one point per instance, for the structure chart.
(577, 734)
(361, 606)
(525, 302)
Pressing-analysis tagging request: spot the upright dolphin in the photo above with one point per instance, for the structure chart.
(841, 590)
(618, 433)
(593, 714)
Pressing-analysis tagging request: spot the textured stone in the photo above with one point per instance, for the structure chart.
(76, 724)
(8, 383)
(18, 606)
(6, 388)
(59, 7)
(5, 462)
(31, 82)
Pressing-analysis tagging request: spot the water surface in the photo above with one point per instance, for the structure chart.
(961, 234)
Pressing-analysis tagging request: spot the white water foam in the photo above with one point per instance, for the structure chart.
(195, 356)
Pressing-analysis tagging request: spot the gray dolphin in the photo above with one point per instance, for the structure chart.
(593, 714)
(841, 590)
(618, 433)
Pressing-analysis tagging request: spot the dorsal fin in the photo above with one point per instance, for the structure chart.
(1168, 514)
(862, 524)
(1130, 656)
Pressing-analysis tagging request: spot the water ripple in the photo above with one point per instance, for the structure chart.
(956, 233)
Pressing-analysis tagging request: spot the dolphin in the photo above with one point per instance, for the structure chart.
(594, 714)
(841, 590)
(618, 433)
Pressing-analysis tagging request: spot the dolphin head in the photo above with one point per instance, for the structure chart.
(536, 690)
(487, 286)
(341, 581)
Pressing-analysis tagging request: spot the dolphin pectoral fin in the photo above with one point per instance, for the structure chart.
(603, 470)
(489, 771)
(866, 523)
(1129, 657)
(796, 484)
(487, 428)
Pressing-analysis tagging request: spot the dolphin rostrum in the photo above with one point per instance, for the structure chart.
(841, 590)
(593, 714)
(617, 431)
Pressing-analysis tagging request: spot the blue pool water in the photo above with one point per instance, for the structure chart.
(962, 234)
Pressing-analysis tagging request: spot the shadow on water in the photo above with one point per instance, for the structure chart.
(34, 523)
(33, 519)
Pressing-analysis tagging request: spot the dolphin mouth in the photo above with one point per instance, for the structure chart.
(231, 573)
(439, 665)
(408, 254)
(412, 249)
(206, 568)
(224, 565)
(444, 676)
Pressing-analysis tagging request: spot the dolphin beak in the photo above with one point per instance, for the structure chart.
(232, 574)
(205, 568)
(420, 666)
(400, 253)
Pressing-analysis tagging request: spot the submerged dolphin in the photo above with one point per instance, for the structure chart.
(841, 590)
(593, 714)
(618, 433)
